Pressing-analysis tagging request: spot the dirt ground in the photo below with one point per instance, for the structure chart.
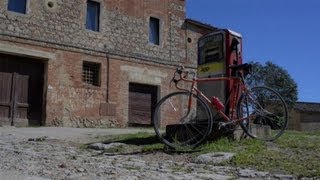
(79, 135)
(55, 153)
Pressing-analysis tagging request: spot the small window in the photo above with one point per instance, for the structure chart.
(154, 31)
(91, 73)
(18, 6)
(93, 15)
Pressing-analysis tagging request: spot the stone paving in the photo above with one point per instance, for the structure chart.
(42, 157)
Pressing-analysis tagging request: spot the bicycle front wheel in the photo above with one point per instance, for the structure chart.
(264, 113)
(182, 120)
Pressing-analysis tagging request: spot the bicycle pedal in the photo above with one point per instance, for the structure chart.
(221, 125)
(226, 125)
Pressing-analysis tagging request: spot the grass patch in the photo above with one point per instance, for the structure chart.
(152, 147)
(294, 153)
(221, 145)
(178, 168)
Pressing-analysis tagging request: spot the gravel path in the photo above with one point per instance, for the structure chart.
(26, 154)
(81, 135)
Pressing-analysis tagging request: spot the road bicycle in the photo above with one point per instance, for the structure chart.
(185, 119)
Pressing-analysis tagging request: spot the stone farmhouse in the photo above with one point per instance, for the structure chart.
(305, 116)
(91, 63)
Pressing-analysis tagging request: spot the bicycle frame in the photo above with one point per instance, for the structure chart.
(260, 111)
(239, 86)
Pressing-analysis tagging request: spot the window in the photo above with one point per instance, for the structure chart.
(154, 30)
(90, 73)
(93, 15)
(18, 6)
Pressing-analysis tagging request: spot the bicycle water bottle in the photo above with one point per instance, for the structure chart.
(217, 103)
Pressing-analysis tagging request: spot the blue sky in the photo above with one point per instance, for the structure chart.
(286, 32)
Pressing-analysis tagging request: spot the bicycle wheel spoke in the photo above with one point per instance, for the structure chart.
(190, 135)
(265, 113)
(197, 130)
(186, 121)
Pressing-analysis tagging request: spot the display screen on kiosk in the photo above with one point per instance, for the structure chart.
(211, 49)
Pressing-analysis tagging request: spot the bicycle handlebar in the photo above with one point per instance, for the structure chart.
(247, 68)
(182, 74)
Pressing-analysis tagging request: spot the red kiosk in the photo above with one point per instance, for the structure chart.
(216, 51)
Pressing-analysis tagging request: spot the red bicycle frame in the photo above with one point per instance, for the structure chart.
(238, 87)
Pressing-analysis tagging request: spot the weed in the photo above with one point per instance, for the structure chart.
(178, 169)
(131, 168)
(294, 153)
(152, 147)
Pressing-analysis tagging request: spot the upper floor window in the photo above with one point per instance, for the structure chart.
(18, 6)
(93, 15)
(154, 31)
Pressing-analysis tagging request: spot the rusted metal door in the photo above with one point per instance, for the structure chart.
(14, 99)
(142, 100)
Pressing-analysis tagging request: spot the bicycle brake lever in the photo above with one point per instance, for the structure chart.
(180, 69)
(173, 80)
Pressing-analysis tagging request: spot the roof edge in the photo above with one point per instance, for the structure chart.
(303, 102)
(201, 24)
(307, 106)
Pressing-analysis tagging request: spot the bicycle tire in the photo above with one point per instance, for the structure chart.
(268, 111)
(179, 127)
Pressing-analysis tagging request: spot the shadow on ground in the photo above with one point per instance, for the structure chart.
(139, 141)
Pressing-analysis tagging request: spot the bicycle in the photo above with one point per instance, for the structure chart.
(184, 119)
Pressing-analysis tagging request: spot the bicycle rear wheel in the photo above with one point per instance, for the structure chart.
(182, 120)
(265, 113)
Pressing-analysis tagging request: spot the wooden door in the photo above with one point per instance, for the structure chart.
(27, 88)
(6, 109)
(14, 99)
(20, 100)
(142, 101)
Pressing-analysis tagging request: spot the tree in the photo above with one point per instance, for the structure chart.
(275, 77)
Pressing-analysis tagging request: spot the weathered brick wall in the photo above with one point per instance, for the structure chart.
(123, 72)
(309, 121)
(193, 33)
(77, 103)
(121, 47)
(294, 120)
(123, 31)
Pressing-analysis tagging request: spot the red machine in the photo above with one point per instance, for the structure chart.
(216, 51)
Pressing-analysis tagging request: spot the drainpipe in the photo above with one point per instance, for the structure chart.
(108, 79)
(170, 36)
(186, 41)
